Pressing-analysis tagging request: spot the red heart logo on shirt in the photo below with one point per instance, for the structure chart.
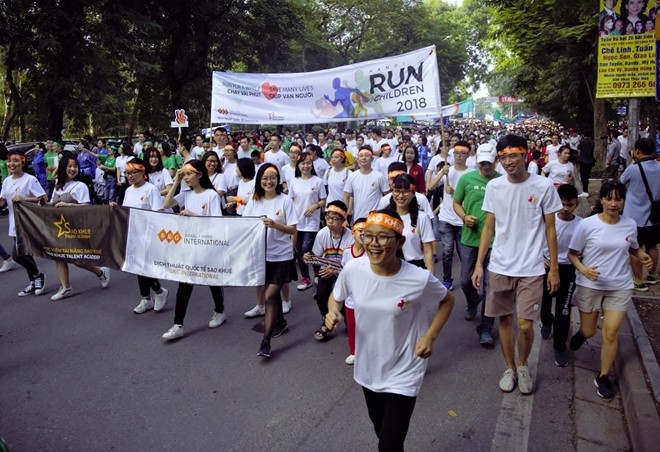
(269, 91)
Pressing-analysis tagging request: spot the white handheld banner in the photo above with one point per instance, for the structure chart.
(405, 84)
(197, 250)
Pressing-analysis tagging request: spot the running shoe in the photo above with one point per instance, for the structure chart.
(264, 349)
(508, 380)
(525, 382)
(62, 293)
(605, 387)
(7, 265)
(174, 333)
(305, 283)
(561, 359)
(350, 360)
(486, 339)
(258, 311)
(105, 277)
(651, 278)
(546, 332)
(160, 299)
(641, 286)
(39, 284)
(286, 307)
(280, 329)
(217, 319)
(29, 290)
(144, 306)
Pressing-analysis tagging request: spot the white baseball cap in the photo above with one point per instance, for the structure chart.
(486, 153)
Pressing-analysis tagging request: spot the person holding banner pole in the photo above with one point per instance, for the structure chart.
(71, 191)
(143, 195)
(200, 199)
(22, 187)
(278, 215)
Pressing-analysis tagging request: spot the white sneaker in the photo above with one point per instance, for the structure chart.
(257, 311)
(160, 299)
(525, 382)
(286, 307)
(105, 277)
(174, 333)
(7, 265)
(217, 319)
(508, 380)
(144, 306)
(584, 194)
(62, 292)
(350, 359)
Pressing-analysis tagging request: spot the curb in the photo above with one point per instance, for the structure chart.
(639, 403)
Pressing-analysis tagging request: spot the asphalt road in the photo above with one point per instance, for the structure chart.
(87, 374)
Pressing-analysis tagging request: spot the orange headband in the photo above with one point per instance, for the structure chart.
(18, 156)
(189, 167)
(271, 170)
(337, 209)
(382, 219)
(134, 166)
(340, 151)
(395, 173)
(359, 225)
(512, 150)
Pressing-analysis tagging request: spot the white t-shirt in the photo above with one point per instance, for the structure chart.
(120, 162)
(391, 315)
(623, 151)
(471, 162)
(382, 163)
(533, 168)
(197, 152)
(552, 152)
(218, 181)
(367, 189)
(145, 197)
(447, 213)
(326, 246)
(241, 154)
(416, 236)
(287, 173)
(565, 231)
(559, 172)
(279, 209)
(422, 201)
(606, 246)
(433, 164)
(346, 257)
(26, 186)
(321, 166)
(160, 179)
(204, 204)
(78, 191)
(336, 180)
(304, 193)
(245, 191)
(279, 158)
(230, 175)
(519, 211)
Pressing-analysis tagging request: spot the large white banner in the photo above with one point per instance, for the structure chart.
(406, 84)
(198, 250)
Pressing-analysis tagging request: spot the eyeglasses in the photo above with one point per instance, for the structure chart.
(462, 154)
(132, 173)
(329, 217)
(212, 162)
(269, 178)
(381, 239)
(401, 192)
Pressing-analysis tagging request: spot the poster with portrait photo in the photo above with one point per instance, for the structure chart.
(627, 17)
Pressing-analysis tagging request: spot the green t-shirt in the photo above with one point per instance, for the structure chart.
(110, 162)
(3, 170)
(50, 157)
(170, 163)
(470, 192)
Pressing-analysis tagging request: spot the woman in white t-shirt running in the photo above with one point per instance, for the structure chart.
(560, 171)
(245, 171)
(393, 337)
(599, 251)
(71, 191)
(417, 229)
(335, 177)
(144, 195)
(278, 215)
(200, 199)
(307, 191)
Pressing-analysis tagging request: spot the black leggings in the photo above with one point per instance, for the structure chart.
(561, 320)
(390, 414)
(146, 284)
(323, 291)
(183, 294)
(27, 262)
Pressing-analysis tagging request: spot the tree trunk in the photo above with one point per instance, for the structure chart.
(600, 130)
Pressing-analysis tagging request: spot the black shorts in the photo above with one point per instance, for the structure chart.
(281, 273)
(649, 236)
